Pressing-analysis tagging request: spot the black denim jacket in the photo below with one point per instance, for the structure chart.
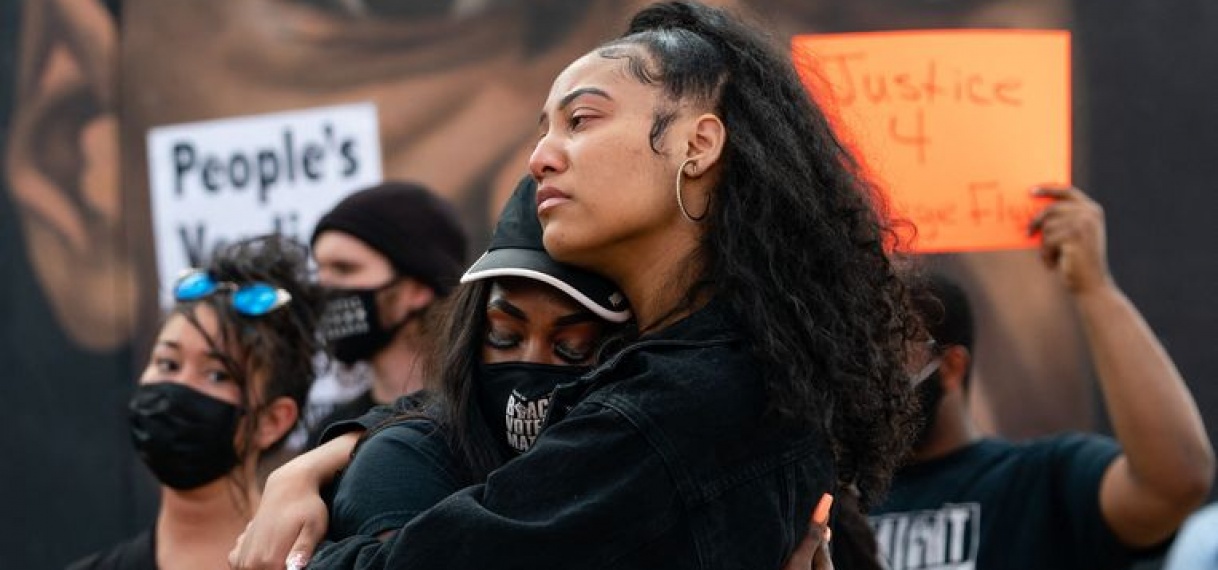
(659, 458)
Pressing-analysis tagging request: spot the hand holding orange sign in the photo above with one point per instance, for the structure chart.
(954, 125)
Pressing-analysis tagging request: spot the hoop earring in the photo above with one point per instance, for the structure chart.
(681, 201)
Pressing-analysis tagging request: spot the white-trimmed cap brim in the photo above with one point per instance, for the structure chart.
(492, 264)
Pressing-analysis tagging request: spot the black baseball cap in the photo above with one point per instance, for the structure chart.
(517, 251)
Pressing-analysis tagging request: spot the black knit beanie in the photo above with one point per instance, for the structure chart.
(419, 232)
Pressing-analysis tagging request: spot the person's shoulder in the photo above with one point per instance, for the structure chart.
(352, 409)
(1069, 445)
(348, 411)
(135, 553)
(683, 396)
(706, 377)
(1046, 452)
(980, 458)
(700, 351)
(721, 359)
(990, 450)
(1071, 462)
(406, 445)
(697, 377)
(413, 430)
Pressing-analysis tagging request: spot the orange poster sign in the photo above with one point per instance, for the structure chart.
(955, 125)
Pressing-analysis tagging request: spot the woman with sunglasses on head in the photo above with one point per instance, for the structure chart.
(223, 387)
(686, 162)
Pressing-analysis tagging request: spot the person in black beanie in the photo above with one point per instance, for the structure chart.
(385, 254)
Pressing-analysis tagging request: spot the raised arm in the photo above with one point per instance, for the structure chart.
(1167, 466)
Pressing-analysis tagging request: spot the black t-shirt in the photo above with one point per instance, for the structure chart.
(400, 471)
(139, 553)
(996, 504)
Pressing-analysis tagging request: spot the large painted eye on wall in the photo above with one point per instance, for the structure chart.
(411, 9)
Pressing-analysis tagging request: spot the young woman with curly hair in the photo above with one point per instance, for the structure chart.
(686, 162)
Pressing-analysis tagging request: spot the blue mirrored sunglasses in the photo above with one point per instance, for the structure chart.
(250, 299)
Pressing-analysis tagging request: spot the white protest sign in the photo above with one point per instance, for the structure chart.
(217, 181)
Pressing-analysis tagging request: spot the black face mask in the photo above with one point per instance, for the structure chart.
(514, 398)
(184, 436)
(929, 393)
(352, 326)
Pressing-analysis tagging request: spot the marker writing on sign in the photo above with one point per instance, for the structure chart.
(952, 124)
(198, 245)
(980, 203)
(264, 168)
(928, 85)
(855, 82)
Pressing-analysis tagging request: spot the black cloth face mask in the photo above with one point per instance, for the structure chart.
(514, 398)
(184, 436)
(351, 324)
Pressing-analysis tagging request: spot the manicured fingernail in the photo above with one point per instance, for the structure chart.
(296, 561)
(828, 534)
(821, 514)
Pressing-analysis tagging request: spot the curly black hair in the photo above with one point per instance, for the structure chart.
(797, 241)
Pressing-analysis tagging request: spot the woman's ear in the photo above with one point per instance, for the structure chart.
(275, 421)
(705, 145)
(61, 164)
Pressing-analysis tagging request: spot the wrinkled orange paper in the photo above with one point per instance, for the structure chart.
(954, 125)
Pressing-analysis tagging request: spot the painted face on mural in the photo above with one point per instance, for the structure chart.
(61, 163)
(444, 74)
(455, 83)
